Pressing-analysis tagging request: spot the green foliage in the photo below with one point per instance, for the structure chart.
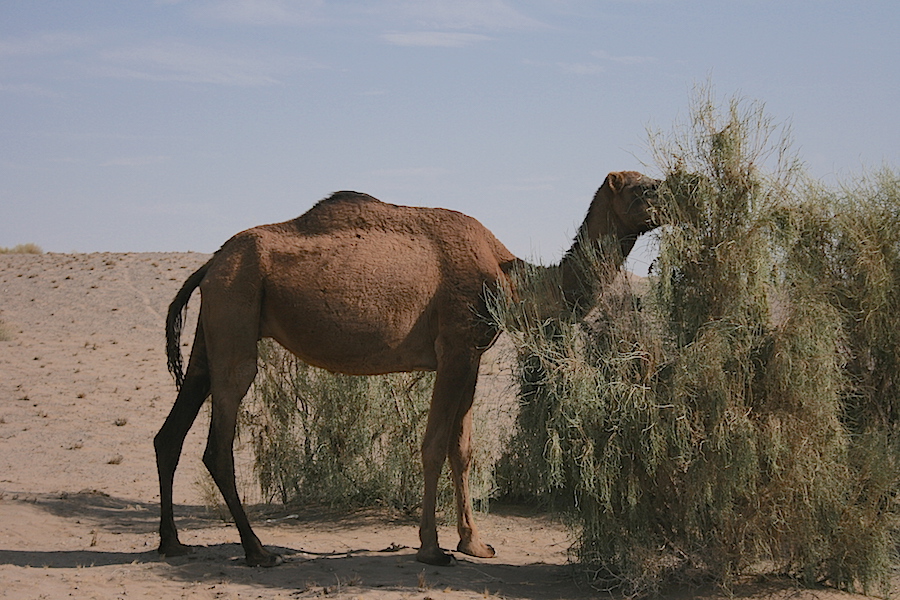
(339, 439)
(745, 417)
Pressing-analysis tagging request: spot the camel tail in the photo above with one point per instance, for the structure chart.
(175, 321)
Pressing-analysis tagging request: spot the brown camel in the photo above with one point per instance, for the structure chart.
(362, 287)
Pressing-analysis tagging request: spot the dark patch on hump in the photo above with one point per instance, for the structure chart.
(346, 197)
(339, 211)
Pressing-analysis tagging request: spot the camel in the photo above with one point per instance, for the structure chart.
(362, 287)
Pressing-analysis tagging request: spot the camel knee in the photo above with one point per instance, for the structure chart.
(461, 457)
(164, 453)
(433, 458)
(213, 462)
(168, 450)
(213, 457)
(209, 461)
(461, 454)
(434, 448)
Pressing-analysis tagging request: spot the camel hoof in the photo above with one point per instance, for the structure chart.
(436, 557)
(171, 550)
(478, 550)
(267, 560)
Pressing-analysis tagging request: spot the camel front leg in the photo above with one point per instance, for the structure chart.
(434, 451)
(460, 461)
(433, 455)
(454, 389)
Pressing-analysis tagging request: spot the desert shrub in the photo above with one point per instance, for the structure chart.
(22, 249)
(559, 364)
(741, 419)
(840, 252)
(341, 439)
(843, 247)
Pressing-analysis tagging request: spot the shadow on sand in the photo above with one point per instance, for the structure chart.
(353, 571)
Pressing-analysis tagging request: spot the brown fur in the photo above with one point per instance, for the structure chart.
(363, 287)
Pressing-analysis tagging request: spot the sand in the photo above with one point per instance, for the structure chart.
(83, 390)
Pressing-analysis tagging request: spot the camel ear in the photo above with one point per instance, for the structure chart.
(616, 181)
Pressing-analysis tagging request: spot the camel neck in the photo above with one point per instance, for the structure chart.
(596, 255)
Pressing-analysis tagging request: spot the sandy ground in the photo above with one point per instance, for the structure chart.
(83, 390)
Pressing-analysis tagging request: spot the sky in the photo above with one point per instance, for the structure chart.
(170, 125)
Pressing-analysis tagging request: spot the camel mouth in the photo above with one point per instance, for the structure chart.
(645, 201)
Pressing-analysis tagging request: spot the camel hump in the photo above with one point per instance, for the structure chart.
(347, 197)
(348, 213)
(340, 210)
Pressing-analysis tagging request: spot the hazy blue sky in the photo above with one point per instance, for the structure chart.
(172, 124)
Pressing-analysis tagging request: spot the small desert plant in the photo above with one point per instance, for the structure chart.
(5, 332)
(745, 416)
(341, 439)
(22, 249)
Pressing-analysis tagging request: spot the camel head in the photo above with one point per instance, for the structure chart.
(628, 196)
(622, 208)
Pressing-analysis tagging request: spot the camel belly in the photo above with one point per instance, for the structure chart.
(352, 344)
(355, 305)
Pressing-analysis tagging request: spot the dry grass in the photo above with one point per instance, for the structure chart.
(22, 249)
(341, 439)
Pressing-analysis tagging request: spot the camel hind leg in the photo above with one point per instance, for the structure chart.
(170, 441)
(232, 375)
